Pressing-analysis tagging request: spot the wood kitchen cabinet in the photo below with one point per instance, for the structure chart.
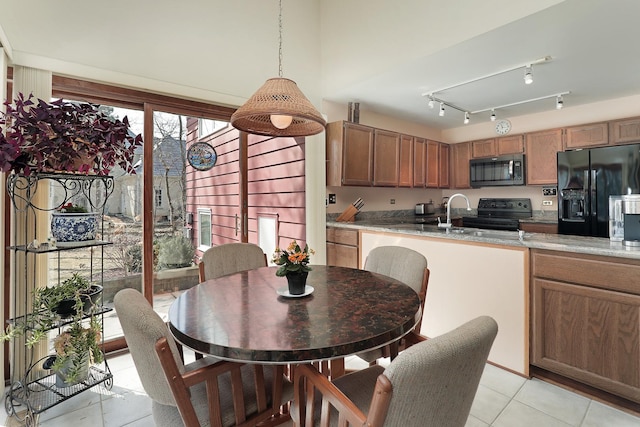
(405, 175)
(349, 154)
(342, 247)
(539, 227)
(513, 144)
(484, 148)
(386, 153)
(585, 320)
(433, 164)
(443, 178)
(541, 149)
(586, 136)
(419, 162)
(461, 153)
(624, 131)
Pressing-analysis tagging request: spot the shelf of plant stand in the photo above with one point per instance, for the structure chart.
(42, 394)
(44, 248)
(67, 320)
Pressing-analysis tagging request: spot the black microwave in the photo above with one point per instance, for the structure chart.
(493, 171)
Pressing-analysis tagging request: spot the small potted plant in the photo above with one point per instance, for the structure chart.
(72, 223)
(294, 265)
(77, 348)
(62, 136)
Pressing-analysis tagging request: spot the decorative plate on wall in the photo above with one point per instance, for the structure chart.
(202, 156)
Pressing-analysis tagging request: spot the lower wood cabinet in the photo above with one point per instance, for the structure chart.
(585, 321)
(342, 247)
(539, 227)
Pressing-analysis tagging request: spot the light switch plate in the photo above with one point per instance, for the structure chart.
(549, 191)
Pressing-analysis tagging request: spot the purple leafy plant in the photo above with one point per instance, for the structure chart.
(62, 136)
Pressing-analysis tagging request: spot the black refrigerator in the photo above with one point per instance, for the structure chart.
(586, 179)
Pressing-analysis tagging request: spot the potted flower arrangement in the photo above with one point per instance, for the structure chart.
(62, 136)
(78, 346)
(294, 265)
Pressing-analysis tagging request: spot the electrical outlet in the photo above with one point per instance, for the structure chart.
(547, 203)
(392, 201)
(549, 191)
(332, 199)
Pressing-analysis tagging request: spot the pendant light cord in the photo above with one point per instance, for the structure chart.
(280, 41)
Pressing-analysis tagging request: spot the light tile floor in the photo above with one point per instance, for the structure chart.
(503, 400)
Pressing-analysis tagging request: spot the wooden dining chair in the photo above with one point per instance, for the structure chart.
(230, 258)
(431, 384)
(407, 266)
(208, 391)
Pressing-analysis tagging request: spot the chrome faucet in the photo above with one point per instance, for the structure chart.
(448, 223)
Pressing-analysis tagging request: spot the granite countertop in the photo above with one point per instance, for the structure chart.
(556, 242)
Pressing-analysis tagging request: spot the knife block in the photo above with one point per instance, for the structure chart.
(348, 215)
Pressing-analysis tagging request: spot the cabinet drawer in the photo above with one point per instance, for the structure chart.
(617, 274)
(537, 227)
(342, 236)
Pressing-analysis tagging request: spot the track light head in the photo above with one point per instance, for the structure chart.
(431, 103)
(466, 117)
(441, 109)
(559, 102)
(493, 115)
(528, 75)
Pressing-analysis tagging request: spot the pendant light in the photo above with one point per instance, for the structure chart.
(278, 108)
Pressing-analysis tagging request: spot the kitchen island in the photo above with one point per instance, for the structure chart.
(569, 305)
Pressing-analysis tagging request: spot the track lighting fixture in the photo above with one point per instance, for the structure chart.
(441, 109)
(528, 75)
(431, 103)
(559, 102)
(493, 115)
(466, 117)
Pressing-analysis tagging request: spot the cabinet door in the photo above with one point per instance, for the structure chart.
(385, 158)
(510, 145)
(588, 334)
(444, 151)
(587, 136)
(357, 154)
(419, 161)
(433, 164)
(624, 131)
(484, 148)
(542, 159)
(405, 177)
(460, 164)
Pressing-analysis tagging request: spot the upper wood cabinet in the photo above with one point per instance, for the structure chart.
(444, 150)
(484, 148)
(433, 164)
(349, 154)
(405, 175)
(419, 162)
(497, 146)
(624, 131)
(513, 144)
(541, 149)
(461, 153)
(386, 153)
(586, 136)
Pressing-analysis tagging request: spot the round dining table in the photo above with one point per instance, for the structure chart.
(250, 317)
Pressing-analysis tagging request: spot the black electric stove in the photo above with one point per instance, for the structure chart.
(499, 214)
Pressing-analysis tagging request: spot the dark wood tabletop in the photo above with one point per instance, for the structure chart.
(242, 317)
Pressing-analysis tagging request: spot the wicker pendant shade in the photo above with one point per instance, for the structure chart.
(278, 96)
(278, 108)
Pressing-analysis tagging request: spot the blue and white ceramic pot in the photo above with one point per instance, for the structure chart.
(74, 227)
